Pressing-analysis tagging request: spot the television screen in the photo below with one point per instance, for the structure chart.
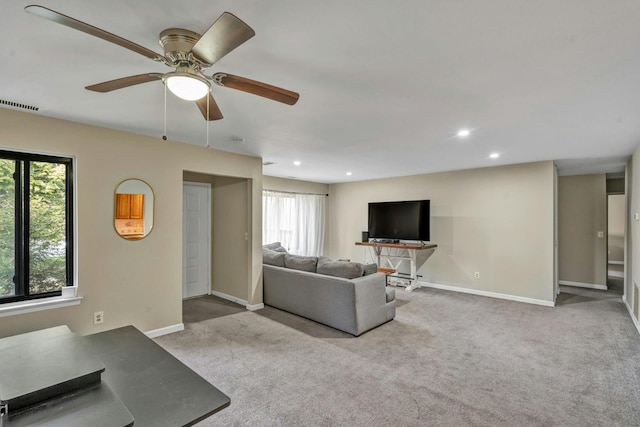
(407, 220)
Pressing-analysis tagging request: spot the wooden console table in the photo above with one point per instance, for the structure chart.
(383, 252)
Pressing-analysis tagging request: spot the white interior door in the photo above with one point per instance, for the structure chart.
(196, 239)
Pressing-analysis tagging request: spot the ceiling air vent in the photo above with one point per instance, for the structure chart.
(18, 105)
(268, 163)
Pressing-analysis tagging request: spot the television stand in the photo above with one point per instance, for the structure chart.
(393, 254)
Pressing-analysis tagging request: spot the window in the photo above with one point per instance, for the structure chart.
(36, 229)
(295, 220)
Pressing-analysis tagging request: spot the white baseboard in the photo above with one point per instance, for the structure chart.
(583, 285)
(254, 307)
(635, 321)
(229, 297)
(488, 294)
(165, 331)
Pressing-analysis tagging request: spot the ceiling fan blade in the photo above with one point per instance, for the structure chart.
(54, 16)
(124, 82)
(226, 34)
(256, 88)
(214, 110)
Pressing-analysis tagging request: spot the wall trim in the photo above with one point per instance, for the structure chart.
(165, 331)
(489, 294)
(30, 306)
(635, 321)
(584, 285)
(254, 307)
(230, 298)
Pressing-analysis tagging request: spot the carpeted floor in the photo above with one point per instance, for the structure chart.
(447, 359)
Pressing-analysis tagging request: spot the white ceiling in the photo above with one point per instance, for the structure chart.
(384, 86)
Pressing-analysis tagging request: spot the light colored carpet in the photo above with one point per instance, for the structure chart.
(448, 359)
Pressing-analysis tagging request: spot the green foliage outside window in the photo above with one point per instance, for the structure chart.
(47, 230)
(7, 227)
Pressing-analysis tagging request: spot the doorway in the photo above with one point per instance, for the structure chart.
(228, 232)
(196, 241)
(616, 218)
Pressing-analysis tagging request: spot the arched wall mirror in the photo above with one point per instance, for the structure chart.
(133, 209)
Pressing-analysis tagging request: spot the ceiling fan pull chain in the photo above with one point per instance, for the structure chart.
(164, 133)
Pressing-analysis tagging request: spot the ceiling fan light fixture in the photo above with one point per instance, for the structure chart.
(187, 86)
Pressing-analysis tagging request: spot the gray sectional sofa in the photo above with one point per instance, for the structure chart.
(334, 293)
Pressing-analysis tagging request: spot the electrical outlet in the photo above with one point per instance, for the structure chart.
(476, 275)
(98, 317)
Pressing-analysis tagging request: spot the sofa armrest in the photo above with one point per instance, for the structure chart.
(370, 301)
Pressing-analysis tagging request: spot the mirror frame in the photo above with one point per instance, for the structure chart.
(147, 206)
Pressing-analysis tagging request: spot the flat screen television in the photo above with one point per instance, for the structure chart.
(407, 220)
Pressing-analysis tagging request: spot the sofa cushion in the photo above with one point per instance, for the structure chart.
(344, 269)
(370, 269)
(275, 246)
(273, 257)
(299, 262)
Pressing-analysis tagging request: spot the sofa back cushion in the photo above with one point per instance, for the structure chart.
(299, 262)
(273, 257)
(344, 269)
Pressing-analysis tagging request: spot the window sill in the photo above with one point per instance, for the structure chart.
(23, 307)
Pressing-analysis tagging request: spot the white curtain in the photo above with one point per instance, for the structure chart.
(294, 219)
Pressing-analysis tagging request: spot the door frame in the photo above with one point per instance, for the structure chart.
(209, 237)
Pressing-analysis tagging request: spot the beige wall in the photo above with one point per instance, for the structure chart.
(616, 214)
(496, 221)
(293, 185)
(615, 186)
(582, 213)
(633, 234)
(230, 223)
(139, 282)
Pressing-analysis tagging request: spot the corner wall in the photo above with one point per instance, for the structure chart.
(633, 238)
(134, 282)
(497, 221)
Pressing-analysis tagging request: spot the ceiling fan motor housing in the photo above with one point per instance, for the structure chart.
(177, 44)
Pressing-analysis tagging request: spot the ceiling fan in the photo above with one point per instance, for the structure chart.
(190, 54)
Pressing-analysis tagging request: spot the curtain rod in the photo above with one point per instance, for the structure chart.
(293, 192)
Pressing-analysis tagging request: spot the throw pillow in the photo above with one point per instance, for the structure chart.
(273, 257)
(344, 269)
(370, 269)
(275, 246)
(299, 262)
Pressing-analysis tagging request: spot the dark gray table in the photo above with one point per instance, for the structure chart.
(157, 389)
(142, 384)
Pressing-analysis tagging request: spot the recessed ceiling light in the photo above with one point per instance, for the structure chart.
(349, 174)
(297, 163)
(494, 155)
(463, 133)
